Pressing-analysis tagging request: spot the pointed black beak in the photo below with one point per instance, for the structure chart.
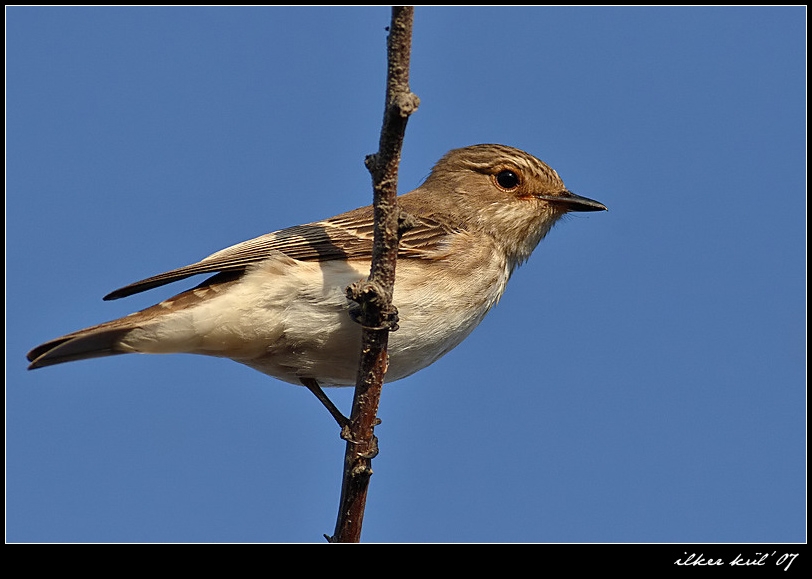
(572, 202)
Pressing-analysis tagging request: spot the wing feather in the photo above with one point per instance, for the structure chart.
(347, 236)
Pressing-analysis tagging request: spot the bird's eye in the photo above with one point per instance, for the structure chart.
(507, 179)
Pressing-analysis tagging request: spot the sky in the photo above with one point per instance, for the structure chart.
(643, 379)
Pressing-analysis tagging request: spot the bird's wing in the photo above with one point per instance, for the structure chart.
(347, 236)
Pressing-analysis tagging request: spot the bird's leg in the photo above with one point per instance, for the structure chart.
(314, 387)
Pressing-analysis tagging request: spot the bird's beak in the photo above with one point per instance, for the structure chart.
(572, 202)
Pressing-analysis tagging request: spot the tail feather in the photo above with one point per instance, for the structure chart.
(105, 339)
(91, 343)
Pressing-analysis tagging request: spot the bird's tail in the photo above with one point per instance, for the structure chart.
(113, 337)
(95, 342)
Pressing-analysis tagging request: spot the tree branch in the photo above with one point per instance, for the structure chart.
(374, 310)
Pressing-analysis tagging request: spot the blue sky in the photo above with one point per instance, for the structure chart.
(642, 380)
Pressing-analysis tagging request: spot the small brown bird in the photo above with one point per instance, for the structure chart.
(277, 303)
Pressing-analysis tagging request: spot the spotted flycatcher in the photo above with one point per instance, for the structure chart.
(278, 304)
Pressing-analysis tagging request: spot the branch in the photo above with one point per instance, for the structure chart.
(374, 310)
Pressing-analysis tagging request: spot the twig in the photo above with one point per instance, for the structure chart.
(375, 311)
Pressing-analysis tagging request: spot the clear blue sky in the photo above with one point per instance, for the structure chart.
(643, 378)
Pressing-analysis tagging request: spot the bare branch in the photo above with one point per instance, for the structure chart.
(375, 311)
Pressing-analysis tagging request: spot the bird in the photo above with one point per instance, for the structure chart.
(277, 303)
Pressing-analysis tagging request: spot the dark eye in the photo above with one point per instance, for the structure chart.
(507, 179)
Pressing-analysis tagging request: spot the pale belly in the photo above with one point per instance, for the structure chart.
(290, 320)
